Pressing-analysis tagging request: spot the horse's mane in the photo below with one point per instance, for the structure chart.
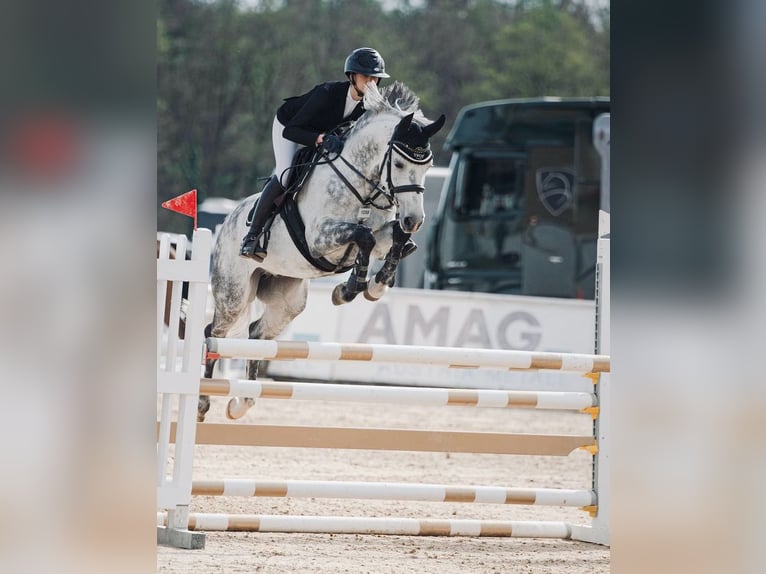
(396, 99)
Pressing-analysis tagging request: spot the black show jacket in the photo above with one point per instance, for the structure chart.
(315, 112)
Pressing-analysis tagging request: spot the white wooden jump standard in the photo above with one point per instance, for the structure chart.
(420, 396)
(377, 525)
(394, 491)
(179, 382)
(454, 357)
(599, 530)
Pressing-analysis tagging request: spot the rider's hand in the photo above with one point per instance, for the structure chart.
(331, 144)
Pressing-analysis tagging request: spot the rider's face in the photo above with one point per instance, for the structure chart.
(360, 81)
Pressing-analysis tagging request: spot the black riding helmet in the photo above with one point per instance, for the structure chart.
(367, 62)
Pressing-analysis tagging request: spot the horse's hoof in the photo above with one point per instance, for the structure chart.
(203, 406)
(370, 297)
(237, 407)
(337, 295)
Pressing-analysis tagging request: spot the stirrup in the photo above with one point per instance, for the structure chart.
(251, 248)
(260, 253)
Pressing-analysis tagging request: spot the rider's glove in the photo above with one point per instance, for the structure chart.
(331, 144)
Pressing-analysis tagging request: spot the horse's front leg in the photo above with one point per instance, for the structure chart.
(385, 277)
(357, 281)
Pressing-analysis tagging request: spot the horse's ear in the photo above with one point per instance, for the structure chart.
(405, 123)
(431, 129)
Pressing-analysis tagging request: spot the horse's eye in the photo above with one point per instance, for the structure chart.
(398, 164)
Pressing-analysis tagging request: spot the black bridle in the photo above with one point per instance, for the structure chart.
(417, 155)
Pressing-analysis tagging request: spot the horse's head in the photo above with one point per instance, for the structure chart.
(409, 159)
(400, 133)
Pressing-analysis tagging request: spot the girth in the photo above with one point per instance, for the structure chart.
(297, 229)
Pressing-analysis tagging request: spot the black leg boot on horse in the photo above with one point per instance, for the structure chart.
(252, 245)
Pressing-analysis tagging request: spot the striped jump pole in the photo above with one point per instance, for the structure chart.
(454, 357)
(552, 400)
(377, 525)
(393, 491)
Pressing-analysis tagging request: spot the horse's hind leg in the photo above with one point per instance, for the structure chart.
(284, 298)
(238, 406)
(203, 406)
(224, 318)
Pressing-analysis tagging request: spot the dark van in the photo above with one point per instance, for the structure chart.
(519, 212)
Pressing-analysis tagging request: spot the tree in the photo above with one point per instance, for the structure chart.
(204, 76)
(546, 51)
(224, 67)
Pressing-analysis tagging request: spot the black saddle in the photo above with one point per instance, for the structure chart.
(306, 159)
(304, 162)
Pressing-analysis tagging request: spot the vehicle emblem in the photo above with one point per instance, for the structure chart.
(554, 188)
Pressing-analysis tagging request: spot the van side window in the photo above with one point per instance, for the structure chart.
(488, 185)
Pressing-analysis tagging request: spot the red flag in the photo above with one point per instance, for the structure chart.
(185, 203)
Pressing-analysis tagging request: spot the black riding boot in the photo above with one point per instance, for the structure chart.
(251, 247)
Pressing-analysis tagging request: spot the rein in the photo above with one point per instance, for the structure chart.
(417, 155)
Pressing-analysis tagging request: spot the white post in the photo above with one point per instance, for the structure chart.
(174, 492)
(598, 532)
(602, 141)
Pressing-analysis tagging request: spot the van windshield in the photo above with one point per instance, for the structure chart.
(485, 217)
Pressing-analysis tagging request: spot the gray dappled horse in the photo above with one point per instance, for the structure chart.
(363, 204)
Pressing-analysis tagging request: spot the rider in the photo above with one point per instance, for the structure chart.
(305, 120)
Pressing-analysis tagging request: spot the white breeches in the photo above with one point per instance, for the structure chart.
(284, 150)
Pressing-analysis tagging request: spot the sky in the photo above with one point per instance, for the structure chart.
(392, 4)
